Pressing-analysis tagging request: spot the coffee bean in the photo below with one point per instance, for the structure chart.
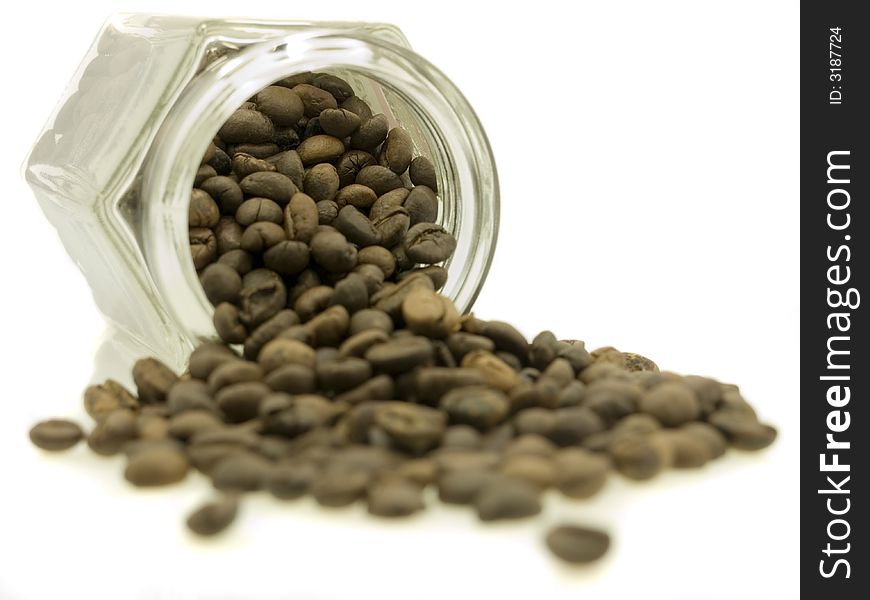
(338, 87)
(228, 325)
(329, 327)
(56, 434)
(378, 256)
(577, 545)
(332, 251)
(327, 211)
(289, 164)
(351, 163)
(220, 283)
(202, 210)
(292, 378)
(156, 466)
(612, 400)
(267, 331)
(506, 338)
(395, 497)
(261, 298)
(247, 125)
(495, 372)
(574, 424)
(321, 182)
(356, 227)
(388, 201)
(240, 260)
(272, 185)
(461, 343)
(206, 357)
(689, 452)
(228, 234)
(462, 486)
(283, 106)
(711, 437)
(314, 99)
(379, 179)
(537, 470)
(153, 380)
(434, 382)
(392, 226)
(231, 372)
(339, 487)
(743, 431)
(370, 318)
(339, 122)
(240, 402)
(430, 314)
(261, 236)
(351, 293)
(213, 517)
(400, 354)
(320, 149)
(415, 429)
(203, 246)
(420, 471)
(461, 436)
(281, 351)
(580, 473)
(220, 162)
(639, 456)
(530, 444)
(225, 191)
(477, 406)
(422, 172)
(397, 151)
(504, 498)
(107, 397)
(244, 164)
(370, 133)
(357, 106)
(259, 209)
(422, 205)
(671, 403)
(240, 472)
(343, 374)
(287, 257)
(187, 424)
(291, 480)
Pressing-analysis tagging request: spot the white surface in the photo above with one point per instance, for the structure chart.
(648, 157)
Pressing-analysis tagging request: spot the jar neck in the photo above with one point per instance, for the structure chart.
(467, 179)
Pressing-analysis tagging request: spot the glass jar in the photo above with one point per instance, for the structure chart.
(115, 164)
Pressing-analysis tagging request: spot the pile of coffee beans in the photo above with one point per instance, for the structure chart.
(306, 199)
(341, 373)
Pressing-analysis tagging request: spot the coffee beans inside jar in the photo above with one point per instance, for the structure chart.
(341, 373)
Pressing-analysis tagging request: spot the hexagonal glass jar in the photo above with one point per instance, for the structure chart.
(114, 166)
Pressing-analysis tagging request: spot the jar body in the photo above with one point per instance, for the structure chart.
(114, 166)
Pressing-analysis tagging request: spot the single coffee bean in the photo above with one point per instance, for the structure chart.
(240, 260)
(214, 517)
(191, 394)
(504, 498)
(434, 382)
(220, 283)
(320, 149)
(332, 251)
(225, 191)
(313, 301)
(281, 351)
(351, 163)
(301, 218)
(228, 234)
(261, 236)
(228, 325)
(56, 434)
(612, 400)
(247, 125)
(351, 293)
(530, 444)
(671, 403)
(340, 487)
(577, 545)
(506, 338)
(160, 465)
(357, 106)
(291, 480)
(400, 354)
(289, 164)
(287, 257)
(240, 402)
(329, 327)
(537, 470)
(422, 205)
(267, 184)
(206, 357)
(495, 371)
(314, 99)
(262, 296)
(743, 431)
(412, 428)
(107, 397)
(380, 387)
(259, 209)
(220, 162)
(387, 202)
(370, 133)
(478, 406)
(397, 151)
(283, 106)
(395, 497)
(244, 164)
(580, 473)
(338, 87)
(240, 472)
(356, 195)
(339, 122)
(372, 277)
(231, 372)
(429, 243)
(370, 318)
(202, 211)
(574, 424)
(185, 425)
(203, 246)
(378, 256)
(153, 380)
(422, 172)
(428, 313)
(268, 331)
(639, 456)
(356, 227)
(391, 298)
(379, 179)
(343, 374)
(321, 182)
(257, 151)
(463, 485)
(711, 437)
(391, 227)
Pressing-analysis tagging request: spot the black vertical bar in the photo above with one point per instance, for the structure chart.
(835, 220)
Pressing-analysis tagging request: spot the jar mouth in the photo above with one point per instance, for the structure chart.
(456, 143)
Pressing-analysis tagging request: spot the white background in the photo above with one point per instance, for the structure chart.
(648, 160)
